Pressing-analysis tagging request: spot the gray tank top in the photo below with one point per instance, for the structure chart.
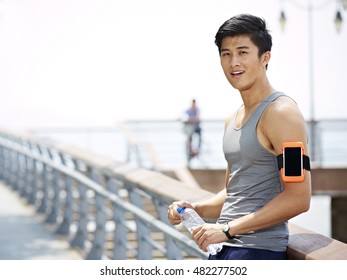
(253, 182)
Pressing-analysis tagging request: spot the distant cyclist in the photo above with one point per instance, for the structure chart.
(192, 128)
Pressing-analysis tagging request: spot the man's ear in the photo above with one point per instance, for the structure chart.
(266, 57)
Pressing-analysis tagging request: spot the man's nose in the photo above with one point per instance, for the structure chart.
(234, 61)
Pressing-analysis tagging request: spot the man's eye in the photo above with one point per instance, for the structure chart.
(225, 54)
(243, 52)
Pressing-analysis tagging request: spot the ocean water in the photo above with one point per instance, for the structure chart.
(164, 142)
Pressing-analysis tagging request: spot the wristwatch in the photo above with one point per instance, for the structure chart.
(225, 229)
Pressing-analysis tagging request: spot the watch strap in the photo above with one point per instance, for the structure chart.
(227, 233)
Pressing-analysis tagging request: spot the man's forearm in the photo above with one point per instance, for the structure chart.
(212, 207)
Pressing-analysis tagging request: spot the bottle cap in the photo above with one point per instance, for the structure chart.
(180, 209)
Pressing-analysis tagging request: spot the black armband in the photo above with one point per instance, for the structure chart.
(305, 158)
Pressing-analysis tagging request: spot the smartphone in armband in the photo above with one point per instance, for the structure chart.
(293, 163)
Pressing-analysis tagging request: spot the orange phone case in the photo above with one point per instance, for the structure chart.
(293, 179)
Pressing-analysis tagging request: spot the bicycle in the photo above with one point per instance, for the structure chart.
(193, 142)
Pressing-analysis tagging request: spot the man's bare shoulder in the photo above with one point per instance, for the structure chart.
(281, 122)
(283, 109)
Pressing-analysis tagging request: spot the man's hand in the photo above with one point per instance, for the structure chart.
(172, 215)
(208, 234)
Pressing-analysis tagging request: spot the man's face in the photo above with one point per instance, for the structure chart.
(240, 62)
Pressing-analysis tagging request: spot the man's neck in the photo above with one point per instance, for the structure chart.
(253, 97)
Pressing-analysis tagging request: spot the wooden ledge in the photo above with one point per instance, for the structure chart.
(308, 245)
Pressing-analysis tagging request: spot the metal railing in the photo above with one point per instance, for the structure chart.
(168, 143)
(159, 145)
(112, 210)
(101, 212)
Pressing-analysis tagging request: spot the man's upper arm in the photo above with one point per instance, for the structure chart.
(288, 125)
(285, 123)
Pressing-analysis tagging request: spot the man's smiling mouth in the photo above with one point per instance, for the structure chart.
(236, 73)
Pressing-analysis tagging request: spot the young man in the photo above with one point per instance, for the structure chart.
(254, 208)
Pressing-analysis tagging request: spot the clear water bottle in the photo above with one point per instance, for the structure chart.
(190, 219)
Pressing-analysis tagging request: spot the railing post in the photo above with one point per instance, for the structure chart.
(13, 170)
(173, 252)
(29, 164)
(42, 204)
(100, 223)
(120, 232)
(64, 227)
(7, 165)
(81, 233)
(144, 249)
(16, 169)
(2, 162)
(48, 175)
(21, 171)
(56, 182)
(28, 177)
(36, 180)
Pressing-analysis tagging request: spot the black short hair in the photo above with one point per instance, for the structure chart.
(246, 24)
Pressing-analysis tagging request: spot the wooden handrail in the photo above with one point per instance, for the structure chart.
(308, 245)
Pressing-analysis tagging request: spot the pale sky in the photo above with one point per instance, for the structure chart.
(95, 62)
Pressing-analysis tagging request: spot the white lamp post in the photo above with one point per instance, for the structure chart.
(338, 24)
